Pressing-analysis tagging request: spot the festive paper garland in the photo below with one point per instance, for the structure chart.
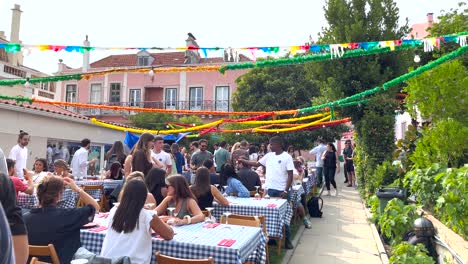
(290, 129)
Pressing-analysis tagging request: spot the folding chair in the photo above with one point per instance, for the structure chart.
(103, 202)
(44, 251)
(162, 259)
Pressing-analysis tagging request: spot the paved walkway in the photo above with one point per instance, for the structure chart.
(342, 235)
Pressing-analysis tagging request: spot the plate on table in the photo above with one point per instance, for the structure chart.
(90, 225)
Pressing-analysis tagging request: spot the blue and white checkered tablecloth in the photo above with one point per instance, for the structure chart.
(194, 241)
(69, 199)
(275, 217)
(108, 185)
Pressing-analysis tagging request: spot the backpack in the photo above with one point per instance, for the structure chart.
(315, 210)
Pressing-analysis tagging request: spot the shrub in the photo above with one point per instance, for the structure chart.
(423, 184)
(405, 253)
(396, 220)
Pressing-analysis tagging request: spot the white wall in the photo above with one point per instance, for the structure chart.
(43, 126)
(402, 121)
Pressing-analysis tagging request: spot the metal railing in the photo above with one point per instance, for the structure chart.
(205, 105)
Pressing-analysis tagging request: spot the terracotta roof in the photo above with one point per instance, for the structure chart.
(165, 58)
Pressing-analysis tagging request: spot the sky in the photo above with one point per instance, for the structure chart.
(165, 23)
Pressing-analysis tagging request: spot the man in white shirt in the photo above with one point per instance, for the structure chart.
(318, 151)
(279, 174)
(79, 163)
(162, 156)
(19, 153)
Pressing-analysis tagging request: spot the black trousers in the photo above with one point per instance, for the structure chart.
(329, 174)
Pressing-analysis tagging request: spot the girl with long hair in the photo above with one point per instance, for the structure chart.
(229, 178)
(156, 182)
(115, 171)
(331, 165)
(205, 192)
(129, 227)
(49, 224)
(181, 198)
(39, 170)
(115, 153)
(141, 160)
(62, 169)
(178, 157)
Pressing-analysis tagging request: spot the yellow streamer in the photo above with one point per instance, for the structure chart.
(289, 129)
(141, 131)
(281, 121)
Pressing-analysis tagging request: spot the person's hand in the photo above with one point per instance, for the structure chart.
(27, 174)
(284, 195)
(69, 182)
(94, 160)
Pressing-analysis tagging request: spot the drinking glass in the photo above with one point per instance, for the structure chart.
(210, 217)
(171, 211)
(224, 188)
(227, 214)
(257, 194)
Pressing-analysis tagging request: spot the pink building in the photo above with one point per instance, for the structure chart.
(419, 30)
(176, 90)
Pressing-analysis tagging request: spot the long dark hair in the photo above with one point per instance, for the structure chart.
(155, 181)
(202, 182)
(44, 164)
(128, 211)
(180, 185)
(227, 171)
(118, 150)
(143, 144)
(332, 146)
(116, 171)
(49, 190)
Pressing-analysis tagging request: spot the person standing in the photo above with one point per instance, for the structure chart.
(19, 153)
(241, 152)
(331, 165)
(348, 155)
(65, 153)
(318, 151)
(164, 157)
(80, 161)
(279, 174)
(178, 157)
(221, 156)
(199, 157)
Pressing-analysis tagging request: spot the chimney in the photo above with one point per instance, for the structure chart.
(2, 35)
(14, 35)
(86, 43)
(61, 66)
(430, 19)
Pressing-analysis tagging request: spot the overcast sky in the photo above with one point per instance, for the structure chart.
(238, 23)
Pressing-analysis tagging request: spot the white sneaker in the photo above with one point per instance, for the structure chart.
(328, 193)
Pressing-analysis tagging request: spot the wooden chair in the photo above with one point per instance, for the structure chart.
(162, 259)
(249, 220)
(44, 251)
(103, 202)
(36, 261)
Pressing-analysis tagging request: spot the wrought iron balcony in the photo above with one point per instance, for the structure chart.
(205, 105)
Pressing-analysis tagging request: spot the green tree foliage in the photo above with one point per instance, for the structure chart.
(405, 253)
(278, 88)
(453, 21)
(396, 220)
(157, 121)
(191, 119)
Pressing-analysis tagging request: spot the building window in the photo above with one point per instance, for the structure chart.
(171, 98)
(70, 93)
(44, 86)
(14, 71)
(95, 93)
(135, 97)
(196, 98)
(114, 94)
(222, 98)
(143, 61)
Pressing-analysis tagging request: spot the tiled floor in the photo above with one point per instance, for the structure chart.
(342, 235)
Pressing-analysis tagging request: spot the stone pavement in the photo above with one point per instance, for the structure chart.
(342, 235)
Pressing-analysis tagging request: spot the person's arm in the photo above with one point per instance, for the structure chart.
(20, 244)
(28, 176)
(163, 229)
(194, 209)
(128, 165)
(337, 163)
(150, 199)
(84, 196)
(161, 209)
(218, 197)
(249, 162)
(157, 163)
(323, 155)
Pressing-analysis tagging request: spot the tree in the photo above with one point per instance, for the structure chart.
(278, 88)
(156, 121)
(454, 21)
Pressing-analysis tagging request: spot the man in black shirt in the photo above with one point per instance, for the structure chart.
(13, 214)
(248, 177)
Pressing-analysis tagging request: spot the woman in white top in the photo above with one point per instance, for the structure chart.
(39, 170)
(129, 228)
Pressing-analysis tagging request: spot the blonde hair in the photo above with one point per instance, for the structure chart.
(136, 175)
(235, 146)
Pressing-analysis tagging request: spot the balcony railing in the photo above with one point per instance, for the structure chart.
(205, 105)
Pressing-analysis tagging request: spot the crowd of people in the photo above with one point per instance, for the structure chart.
(156, 176)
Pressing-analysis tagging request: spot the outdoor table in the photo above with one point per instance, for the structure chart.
(108, 185)
(277, 212)
(194, 241)
(27, 201)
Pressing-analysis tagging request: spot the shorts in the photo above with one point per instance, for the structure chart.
(349, 166)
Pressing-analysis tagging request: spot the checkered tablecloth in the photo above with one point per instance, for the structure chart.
(275, 217)
(108, 185)
(194, 241)
(69, 199)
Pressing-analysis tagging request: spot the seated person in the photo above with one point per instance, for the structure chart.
(137, 175)
(205, 192)
(248, 177)
(40, 170)
(20, 186)
(181, 198)
(129, 226)
(60, 227)
(156, 182)
(231, 180)
(62, 169)
(214, 177)
(115, 171)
